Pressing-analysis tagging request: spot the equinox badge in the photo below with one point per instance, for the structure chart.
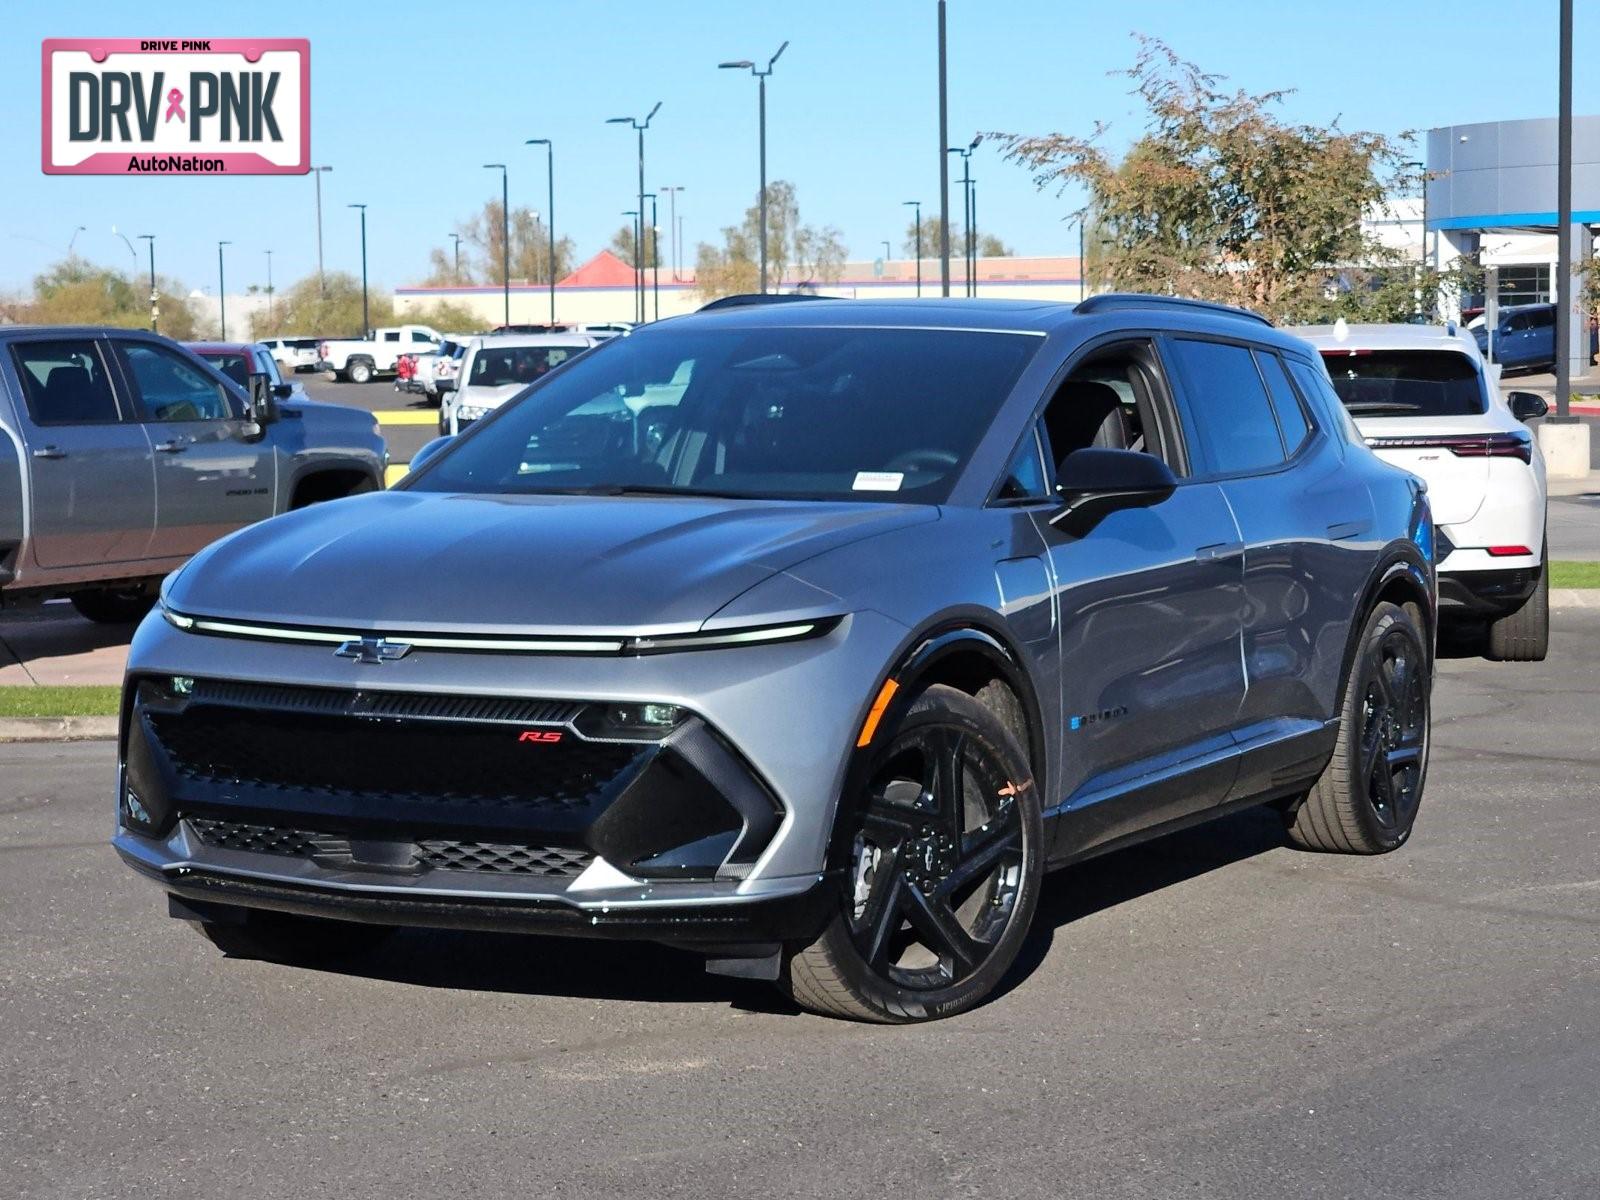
(373, 650)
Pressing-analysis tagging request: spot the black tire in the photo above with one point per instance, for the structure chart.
(1524, 636)
(943, 876)
(1366, 800)
(359, 370)
(121, 607)
(286, 938)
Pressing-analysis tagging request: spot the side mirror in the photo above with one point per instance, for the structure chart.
(1094, 483)
(429, 451)
(263, 403)
(282, 391)
(1527, 406)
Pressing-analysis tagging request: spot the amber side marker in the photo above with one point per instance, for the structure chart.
(885, 694)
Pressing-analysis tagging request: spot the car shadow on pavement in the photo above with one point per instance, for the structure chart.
(652, 974)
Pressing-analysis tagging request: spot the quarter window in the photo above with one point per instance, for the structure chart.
(65, 383)
(1291, 417)
(1228, 406)
(172, 389)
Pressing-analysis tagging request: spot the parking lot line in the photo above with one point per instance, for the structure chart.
(405, 416)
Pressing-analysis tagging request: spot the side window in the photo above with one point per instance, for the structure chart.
(268, 366)
(65, 383)
(418, 336)
(1291, 417)
(1229, 406)
(171, 388)
(1113, 400)
(1025, 478)
(391, 335)
(1517, 322)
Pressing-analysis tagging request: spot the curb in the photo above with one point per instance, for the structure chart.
(1575, 597)
(57, 729)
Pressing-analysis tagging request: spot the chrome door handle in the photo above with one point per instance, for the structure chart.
(49, 452)
(1218, 552)
(175, 446)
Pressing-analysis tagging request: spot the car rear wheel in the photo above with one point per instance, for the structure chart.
(945, 862)
(287, 938)
(1524, 636)
(1366, 800)
(359, 371)
(113, 607)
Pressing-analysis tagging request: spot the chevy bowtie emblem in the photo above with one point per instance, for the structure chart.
(373, 650)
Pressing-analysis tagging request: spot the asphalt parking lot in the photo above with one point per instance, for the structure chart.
(1212, 1014)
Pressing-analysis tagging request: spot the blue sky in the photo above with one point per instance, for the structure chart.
(408, 98)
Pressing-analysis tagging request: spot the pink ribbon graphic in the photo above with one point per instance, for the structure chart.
(174, 106)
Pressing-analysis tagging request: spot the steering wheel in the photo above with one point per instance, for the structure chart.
(930, 459)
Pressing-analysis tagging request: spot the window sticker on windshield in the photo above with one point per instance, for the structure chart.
(877, 481)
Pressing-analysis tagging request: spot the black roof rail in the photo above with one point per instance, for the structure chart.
(748, 299)
(1116, 301)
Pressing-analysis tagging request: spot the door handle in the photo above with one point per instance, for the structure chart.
(1218, 552)
(175, 446)
(49, 452)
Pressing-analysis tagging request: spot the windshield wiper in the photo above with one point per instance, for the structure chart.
(1382, 406)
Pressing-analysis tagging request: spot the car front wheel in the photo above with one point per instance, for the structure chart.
(945, 862)
(1366, 800)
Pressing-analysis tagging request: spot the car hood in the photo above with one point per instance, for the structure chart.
(415, 561)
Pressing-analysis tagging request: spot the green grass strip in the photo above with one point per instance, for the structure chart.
(59, 701)
(1575, 574)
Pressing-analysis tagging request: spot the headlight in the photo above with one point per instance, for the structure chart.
(471, 412)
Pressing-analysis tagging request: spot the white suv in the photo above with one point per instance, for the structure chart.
(1424, 400)
(498, 367)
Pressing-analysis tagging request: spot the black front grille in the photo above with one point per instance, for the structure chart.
(549, 862)
(445, 763)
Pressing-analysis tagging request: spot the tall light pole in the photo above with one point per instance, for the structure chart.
(654, 242)
(972, 234)
(222, 293)
(155, 311)
(1565, 282)
(366, 323)
(761, 78)
(916, 206)
(966, 202)
(456, 274)
(672, 225)
(132, 253)
(944, 166)
(638, 270)
(74, 238)
(322, 280)
(505, 234)
(550, 214)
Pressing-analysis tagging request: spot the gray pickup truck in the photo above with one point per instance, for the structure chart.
(122, 454)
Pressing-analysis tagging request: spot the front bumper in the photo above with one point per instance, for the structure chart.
(760, 702)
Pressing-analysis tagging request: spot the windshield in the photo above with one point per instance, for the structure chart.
(496, 366)
(1406, 383)
(864, 414)
(234, 366)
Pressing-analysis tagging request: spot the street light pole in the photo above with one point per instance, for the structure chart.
(655, 257)
(550, 214)
(944, 166)
(1565, 281)
(972, 235)
(672, 225)
(761, 80)
(456, 274)
(366, 323)
(269, 288)
(966, 202)
(916, 207)
(638, 260)
(322, 282)
(505, 234)
(155, 311)
(222, 293)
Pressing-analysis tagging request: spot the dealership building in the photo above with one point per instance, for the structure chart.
(1491, 198)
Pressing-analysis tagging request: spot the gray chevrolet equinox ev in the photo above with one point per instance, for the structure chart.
(808, 636)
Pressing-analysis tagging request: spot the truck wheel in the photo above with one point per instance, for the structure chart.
(1524, 636)
(113, 607)
(359, 371)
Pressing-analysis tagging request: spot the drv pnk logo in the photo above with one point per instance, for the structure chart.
(211, 106)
